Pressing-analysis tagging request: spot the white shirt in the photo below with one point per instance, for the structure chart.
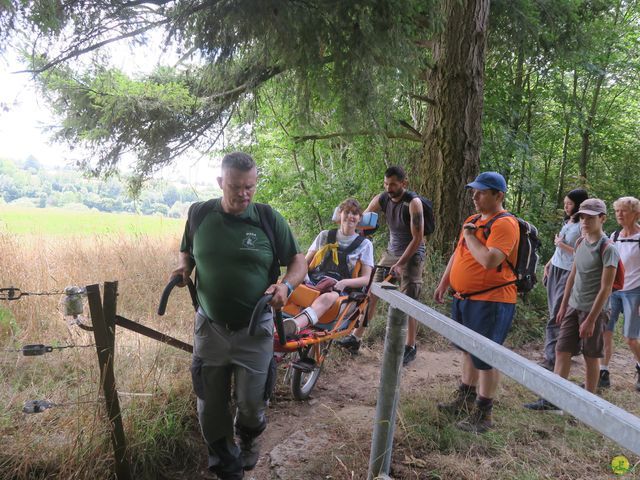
(569, 233)
(364, 252)
(630, 256)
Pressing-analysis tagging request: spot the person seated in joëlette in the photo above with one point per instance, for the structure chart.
(339, 260)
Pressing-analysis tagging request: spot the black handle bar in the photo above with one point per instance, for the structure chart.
(257, 313)
(162, 307)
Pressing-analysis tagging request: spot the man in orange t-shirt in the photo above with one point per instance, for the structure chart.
(485, 298)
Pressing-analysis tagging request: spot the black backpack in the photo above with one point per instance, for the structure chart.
(199, 210)
(429, 222)
(615, 238)
(329, 269)
(527, 257)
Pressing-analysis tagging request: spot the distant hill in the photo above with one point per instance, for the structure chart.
(30, 184)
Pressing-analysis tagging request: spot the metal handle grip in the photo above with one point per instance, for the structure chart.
(258, 310)
(164, 298)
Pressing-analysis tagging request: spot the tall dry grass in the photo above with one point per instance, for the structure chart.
(71, 440)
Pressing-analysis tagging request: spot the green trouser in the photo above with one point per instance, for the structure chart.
(220, 355)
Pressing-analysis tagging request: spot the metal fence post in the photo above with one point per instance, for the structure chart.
(388, 394)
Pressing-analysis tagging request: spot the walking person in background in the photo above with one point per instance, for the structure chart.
(557, 270)
(627, 300)
(582, 314)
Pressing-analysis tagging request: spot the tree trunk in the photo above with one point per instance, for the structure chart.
(568, 118)
(453, 131)
(585, 150)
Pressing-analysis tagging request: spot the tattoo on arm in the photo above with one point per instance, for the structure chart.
(416, 221)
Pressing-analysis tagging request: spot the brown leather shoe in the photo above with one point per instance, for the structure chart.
(462, 402)
(479, 421)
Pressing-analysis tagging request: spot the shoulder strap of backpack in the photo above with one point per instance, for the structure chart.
(383, 199)
(332, 237)
(489, 224)
(197, 212)
(475, 218)
(604, 245)
(354, 245)
(407, 198)
(268, 224)
(616, 235)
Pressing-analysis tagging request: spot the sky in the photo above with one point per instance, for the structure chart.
(24, 117)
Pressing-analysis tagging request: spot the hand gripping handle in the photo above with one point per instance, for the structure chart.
(257, 314)
(162, 307)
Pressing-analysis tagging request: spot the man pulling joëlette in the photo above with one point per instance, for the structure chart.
(234, 260)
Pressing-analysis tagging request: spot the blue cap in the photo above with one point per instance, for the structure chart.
(487, 180)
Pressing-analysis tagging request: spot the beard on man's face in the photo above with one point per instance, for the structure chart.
(395, 193)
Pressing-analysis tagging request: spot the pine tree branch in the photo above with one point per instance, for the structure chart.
(423, 98)
(358, 133)
(76, 52)
(406, 125)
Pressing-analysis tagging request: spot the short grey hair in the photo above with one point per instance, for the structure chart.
(632, 202)
(238, 161)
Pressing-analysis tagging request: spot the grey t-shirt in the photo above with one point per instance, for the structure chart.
(589, 264)
(399, 231)
(569, 233)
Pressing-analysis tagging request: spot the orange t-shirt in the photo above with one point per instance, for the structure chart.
(467, 275)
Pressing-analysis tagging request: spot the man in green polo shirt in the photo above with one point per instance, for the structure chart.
(233, 257)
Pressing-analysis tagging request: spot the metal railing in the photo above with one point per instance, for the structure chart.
(614, 422)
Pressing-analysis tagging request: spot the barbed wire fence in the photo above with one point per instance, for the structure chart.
(102, 323)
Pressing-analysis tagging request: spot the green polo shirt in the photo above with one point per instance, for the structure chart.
(233, 259)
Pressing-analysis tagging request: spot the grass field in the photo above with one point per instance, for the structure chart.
(58, 221)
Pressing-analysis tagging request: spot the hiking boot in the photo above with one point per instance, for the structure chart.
(222, 475)
(409, 355)
(603, 380)
(461, 403)
(637, 378)
(349, 343)
(546, 364)
(542, 405)
(249, 451)
(479, 421)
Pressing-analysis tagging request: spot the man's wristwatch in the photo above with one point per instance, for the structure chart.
(289, 288)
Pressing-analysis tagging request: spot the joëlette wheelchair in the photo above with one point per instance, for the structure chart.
(303, 355)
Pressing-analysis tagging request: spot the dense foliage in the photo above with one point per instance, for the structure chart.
(326, 94)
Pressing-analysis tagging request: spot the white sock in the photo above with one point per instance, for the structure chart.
(356, 336)
(311, 315)
(604, 367)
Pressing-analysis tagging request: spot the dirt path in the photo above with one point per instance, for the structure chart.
(329, 435)
(309, 439)
(341, 410)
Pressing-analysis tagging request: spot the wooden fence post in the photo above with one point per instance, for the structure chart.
(103, 320)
